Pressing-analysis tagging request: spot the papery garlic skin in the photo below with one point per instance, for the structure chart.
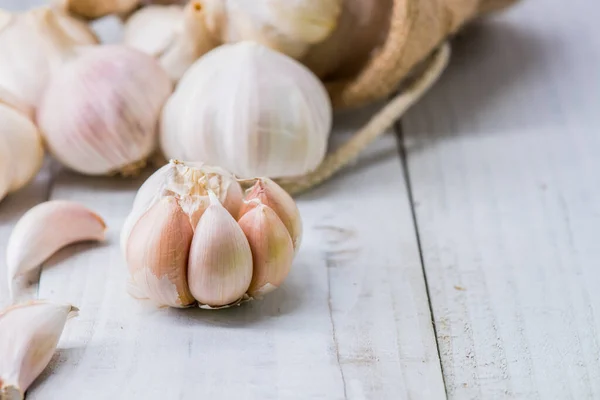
(158, 256)
(100, 111)
(29, 334)
(272, 249)
(45, 229)
(9, 99)
(176, 36)
(189, 183)
(5, 167)
(28, 52)
(220, 262)
(251, 110)
(93, 9)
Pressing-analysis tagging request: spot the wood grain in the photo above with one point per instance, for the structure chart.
(503, 166)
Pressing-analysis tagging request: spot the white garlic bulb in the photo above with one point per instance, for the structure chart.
(251, 110)
(184, 245)
(100, 111)
(27, 45)
(21, 148)
(176, 36)
(290, 27)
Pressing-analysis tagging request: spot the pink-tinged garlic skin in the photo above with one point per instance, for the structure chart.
(29, 334)
(220, 263)
(272, 249)
(159, 246)
(100, 112)
(269, 193)
(45, 229)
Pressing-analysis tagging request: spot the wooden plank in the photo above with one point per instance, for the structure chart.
(503, 162)
(351, 322)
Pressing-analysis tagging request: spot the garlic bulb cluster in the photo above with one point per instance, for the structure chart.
(193, 237)
(27, 45)
(21, 149)
(29, 334)
(251, 110)
(177, 36)
(99, 114)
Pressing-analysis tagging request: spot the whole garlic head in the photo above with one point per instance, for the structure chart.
(99, 114)
(251, 110)
(184, 244)
(27, 45)
(176, 36)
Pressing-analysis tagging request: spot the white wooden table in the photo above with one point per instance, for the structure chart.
(459, 258)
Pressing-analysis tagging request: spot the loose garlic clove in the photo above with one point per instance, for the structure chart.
(159, 245)
(100, 112)
(220, 263)
(189, 183)
(27, 45)
(251, 110)
(174, 35)
(29, 334)
(45, 229)
(269, 193)
(272, 249)
(92, 9)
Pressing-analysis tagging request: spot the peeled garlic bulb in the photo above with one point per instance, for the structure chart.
(183, 243)
(290, 27)
(29, 334)
(27, 46)
(175, 35)
(251, 110)
(99, 114)
(21, 149)
(93, 9)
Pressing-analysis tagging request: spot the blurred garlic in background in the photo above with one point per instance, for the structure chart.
(92, 9)
(177, 36)
(27, 45)
(251, 110)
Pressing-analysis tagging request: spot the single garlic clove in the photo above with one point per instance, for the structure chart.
(152, 29)
(272, 249)
(25, 145)
(220, 263)
(269, 193)
(45, 229)
(100, 111)
(159, 246)
(189, 183)
(29, 334)
(28, 44)
(92, 9)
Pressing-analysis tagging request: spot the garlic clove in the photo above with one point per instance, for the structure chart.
(159, 245)
(272, 249)
(152, 29)
(220, 263)
(269, 193)
(266, 114)
(28, 44)
(92, 9)
(45, 229)
(25, 145)
(100, 111)
(29, 334)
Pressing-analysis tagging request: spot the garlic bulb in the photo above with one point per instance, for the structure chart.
(175, 35)
(289, 27)
(93, 9)
(183, 244)
(29, 334)
(27, 45)
(99, 114)
(21, 148)
(251, 110)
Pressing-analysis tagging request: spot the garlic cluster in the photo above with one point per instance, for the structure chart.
(175, 35)
(194, 237)
(28, 48)
(250, 110)
(29, 334)
(21, 149)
